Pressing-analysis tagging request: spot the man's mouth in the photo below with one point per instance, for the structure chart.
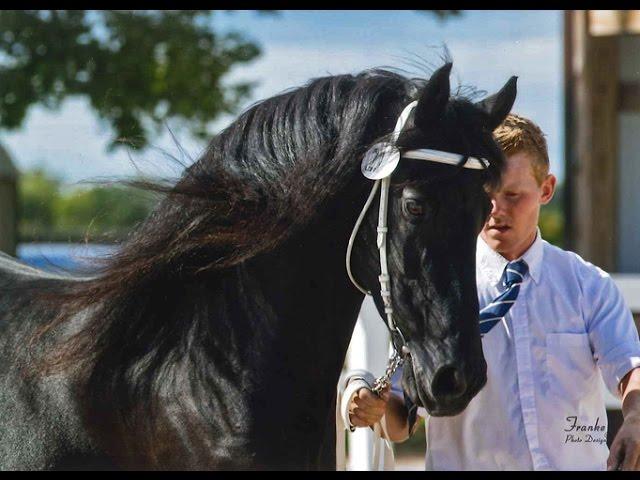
(499, 228)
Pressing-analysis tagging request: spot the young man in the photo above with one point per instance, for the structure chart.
(557, 322)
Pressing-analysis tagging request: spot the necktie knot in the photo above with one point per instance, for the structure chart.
(515, 272)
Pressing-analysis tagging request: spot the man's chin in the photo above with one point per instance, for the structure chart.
(496, 239)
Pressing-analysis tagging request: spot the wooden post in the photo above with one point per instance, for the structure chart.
(569, 157)
(8, 204)
(592, 80)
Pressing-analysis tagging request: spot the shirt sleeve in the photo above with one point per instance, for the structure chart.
(396, 381)
(612, 331)
(349, 383)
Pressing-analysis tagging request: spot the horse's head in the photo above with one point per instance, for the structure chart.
(435, 213)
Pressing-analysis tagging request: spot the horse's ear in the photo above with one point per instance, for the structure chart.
(499, 104)
(434, 97)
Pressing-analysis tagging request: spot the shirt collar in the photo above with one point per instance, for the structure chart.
(492, 264)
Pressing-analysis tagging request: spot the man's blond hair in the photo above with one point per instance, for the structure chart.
(518, 134)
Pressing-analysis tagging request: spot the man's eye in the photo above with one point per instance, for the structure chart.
(414, 208)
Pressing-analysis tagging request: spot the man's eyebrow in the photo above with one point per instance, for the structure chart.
(510, 185)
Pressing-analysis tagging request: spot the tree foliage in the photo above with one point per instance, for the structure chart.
(38, 192)
(50, 212)
(137, 68)
(551, 219)
(442, 14)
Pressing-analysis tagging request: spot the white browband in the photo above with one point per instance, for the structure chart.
(446, 157)
(382, 230)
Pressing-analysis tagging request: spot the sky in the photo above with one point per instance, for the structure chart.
(487, 47)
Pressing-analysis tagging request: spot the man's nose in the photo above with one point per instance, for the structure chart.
(496, 207)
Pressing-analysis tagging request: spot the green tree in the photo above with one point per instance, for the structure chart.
(49, 212)
(137, 68)
(441, 14)
(103, 210)
(38, 193)
(551, 219)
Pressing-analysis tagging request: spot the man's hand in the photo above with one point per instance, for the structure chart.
(625, 449)
(366, 408)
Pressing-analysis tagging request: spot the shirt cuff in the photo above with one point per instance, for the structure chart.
(353, 381)
(617, 363)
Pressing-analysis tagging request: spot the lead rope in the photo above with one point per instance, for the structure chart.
(379, 429)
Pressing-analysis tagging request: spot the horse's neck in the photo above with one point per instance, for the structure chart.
(301, 310)
(301, 290)
(266, 343)
(308, 306)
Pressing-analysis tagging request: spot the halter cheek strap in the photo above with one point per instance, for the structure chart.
(382, 212)
(384, 183)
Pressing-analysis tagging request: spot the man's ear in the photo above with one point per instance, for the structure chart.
(548, 189)
(498, 105)
(434, 97)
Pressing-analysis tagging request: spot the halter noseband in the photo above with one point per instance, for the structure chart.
(378, 164)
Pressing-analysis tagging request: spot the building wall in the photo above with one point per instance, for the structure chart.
(591, 140)
(628, 195)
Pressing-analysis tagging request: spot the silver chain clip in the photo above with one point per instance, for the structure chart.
(385, 380)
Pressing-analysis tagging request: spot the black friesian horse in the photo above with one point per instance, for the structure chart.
(215, 335)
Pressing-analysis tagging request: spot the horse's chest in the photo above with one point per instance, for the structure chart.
(187, 441)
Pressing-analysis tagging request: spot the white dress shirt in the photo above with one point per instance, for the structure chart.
(543, 406)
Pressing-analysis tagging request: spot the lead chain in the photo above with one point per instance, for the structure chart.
(382, 382)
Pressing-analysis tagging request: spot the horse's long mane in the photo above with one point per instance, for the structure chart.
(259, 182)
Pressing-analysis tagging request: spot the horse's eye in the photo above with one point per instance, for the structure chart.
(413, 208)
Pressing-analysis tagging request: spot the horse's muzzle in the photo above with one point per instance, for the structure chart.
(444, 389)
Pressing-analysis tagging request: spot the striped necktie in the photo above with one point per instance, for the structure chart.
(513, 276)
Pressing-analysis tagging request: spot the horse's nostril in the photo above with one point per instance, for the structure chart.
(448, 381)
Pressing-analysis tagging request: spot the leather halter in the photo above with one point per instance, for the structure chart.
(391, 152)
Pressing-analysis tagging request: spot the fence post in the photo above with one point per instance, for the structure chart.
(369, 350)
(8, 204)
